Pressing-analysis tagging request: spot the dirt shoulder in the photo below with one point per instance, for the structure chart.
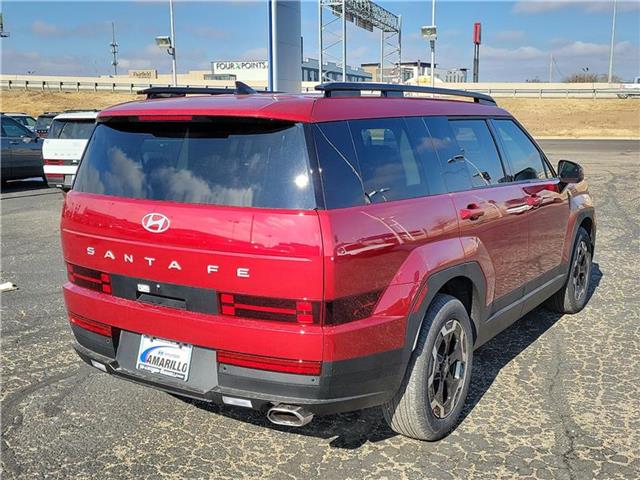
(554, 117)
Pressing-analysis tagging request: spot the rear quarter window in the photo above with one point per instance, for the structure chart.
(235, 162)
(76, 130)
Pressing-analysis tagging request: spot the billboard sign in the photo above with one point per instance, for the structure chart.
(476, 33)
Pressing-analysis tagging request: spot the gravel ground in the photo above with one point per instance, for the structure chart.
(551, 397)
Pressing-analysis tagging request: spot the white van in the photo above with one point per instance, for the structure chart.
(64, 145)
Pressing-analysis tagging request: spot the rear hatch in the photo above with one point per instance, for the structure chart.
(213, 217)
(63, 147)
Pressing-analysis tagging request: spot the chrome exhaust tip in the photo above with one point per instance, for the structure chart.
(289, 415)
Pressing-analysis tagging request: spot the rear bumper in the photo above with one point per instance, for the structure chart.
(342, 386)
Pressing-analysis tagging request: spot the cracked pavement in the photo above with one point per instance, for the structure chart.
(551, 397)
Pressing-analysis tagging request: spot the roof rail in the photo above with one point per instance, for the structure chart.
(336, 89)
(241, 88)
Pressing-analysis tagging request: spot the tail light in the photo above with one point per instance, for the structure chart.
(349, 309)
(262, 308)
(302, 367)
(54, 162)
(91, 325)
(55, 176)
(89, 278)
(304, 312)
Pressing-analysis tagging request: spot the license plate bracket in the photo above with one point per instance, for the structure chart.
(164, 357)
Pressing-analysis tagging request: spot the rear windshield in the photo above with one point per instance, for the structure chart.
(43, 122)
(236, 162)
(71, 129)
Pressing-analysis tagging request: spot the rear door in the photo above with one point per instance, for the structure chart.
(7, 155)
(25, 150)
(490, 210)
(63, 148)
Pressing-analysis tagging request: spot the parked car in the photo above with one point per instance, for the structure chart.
(630, 89)
(21, 151)
(63, 147)
(43, 122)
(23, 119)
(303, 255)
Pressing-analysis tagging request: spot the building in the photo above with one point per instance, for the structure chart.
(456, 75)
(257, 71)
(413, 71)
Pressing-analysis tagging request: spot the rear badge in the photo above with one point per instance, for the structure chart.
(155, 222)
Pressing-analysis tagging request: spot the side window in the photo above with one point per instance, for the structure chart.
(388, 162)
(55, 128)
(12, 129)
(427, 155)
(339, 170)
(76, 130)
(478, 152)
(524, 158)
(443, 142)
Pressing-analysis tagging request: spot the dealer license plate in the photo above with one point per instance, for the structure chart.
(164, 357)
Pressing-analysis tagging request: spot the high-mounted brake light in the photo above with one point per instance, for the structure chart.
(165, 118)
(302, 367)
(91, 325)
(89, 278)
(263, 308)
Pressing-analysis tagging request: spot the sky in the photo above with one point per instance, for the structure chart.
(518, 37)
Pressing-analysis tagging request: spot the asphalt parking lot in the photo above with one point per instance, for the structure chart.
(551, 397)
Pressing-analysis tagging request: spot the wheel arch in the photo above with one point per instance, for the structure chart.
(461, 281)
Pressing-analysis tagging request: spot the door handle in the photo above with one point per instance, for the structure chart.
(14, 142)
(472, 212)
(534, 200)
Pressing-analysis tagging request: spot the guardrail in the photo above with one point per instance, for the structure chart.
(540, 92)
(594, 93)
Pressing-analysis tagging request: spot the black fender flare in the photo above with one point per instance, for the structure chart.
(580, 217)
(433, 284)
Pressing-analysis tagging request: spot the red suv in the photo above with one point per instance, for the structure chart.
(305, 255)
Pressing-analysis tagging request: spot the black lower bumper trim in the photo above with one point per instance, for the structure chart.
(352, 384)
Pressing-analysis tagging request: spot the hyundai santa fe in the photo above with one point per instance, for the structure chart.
(303, 255)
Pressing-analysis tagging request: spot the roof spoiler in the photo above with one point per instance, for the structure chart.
(341, 89)
(241, 88)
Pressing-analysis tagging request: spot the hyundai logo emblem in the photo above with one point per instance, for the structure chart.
(155, 222)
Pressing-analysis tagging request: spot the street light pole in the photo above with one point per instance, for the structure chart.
(613, 36)
(433, 42)
(173, 45)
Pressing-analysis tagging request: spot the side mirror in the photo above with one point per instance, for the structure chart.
(570, 172)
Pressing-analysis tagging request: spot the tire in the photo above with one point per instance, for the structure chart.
(411, 411)
(572, 297)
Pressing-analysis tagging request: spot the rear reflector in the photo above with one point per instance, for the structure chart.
(91, 325)
(302, 367)
(264, 308)
(89, 278)
(239, 402)
(55, 176)
(98, 365)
